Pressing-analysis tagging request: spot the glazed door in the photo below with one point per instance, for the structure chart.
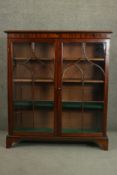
(34, 86)
(82, 95)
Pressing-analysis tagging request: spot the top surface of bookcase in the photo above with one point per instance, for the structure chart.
(58, 31)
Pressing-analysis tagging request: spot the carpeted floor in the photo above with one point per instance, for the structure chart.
(58, 159)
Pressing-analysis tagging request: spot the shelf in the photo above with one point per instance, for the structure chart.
(85, 105)
(46, 130)
(52, 59)
(32, 59)
(35, 81)
(30, 104)
(51, 81)
(77, 59)
(66, 105)
(75, 131)
(79, 81)
(50, 130)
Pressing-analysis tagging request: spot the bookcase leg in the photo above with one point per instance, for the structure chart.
(10, 141)
(103, 144)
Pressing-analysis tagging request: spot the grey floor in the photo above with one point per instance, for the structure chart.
(58, 159)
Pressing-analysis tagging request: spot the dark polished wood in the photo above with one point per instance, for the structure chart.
(58, 31)
(58, 39)
(102, 142)
(59, 34)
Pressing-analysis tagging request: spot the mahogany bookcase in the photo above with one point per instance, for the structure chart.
(58, 86)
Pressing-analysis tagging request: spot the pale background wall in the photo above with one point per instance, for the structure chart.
(55, 15)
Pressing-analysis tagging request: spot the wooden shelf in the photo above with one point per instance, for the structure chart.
(50, 130)
(92, 101)
(32, 59)
(79, 81)
(75, 131)
(51, 81)
(35, 81)
(52, 59)
(77, 59)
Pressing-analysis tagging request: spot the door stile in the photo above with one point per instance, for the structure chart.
(106, 87)
(58, 87)
(10, 87)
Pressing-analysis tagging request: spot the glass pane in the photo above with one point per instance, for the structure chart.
(33, 81)
(82, 87)
(90, 92)
(73, 121)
